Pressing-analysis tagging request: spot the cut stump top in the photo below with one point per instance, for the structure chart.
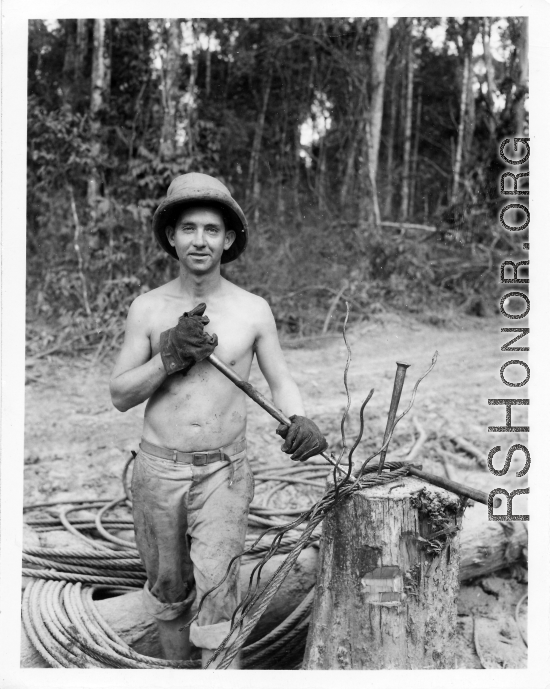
(406, 487)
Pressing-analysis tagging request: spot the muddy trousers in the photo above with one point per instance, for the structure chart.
(190, 521)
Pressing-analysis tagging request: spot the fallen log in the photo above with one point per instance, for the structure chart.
(408, 226)
(487, 547)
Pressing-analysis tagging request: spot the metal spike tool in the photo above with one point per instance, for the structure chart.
(394, 404)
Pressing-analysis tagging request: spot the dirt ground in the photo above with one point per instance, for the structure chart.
(76, 443)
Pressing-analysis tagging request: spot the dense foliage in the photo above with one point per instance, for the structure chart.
(280, 110)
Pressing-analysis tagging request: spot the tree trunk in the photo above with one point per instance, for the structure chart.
(208, 68)
(523, 75)
(373, 121)
(190, 110)
(281, 164)
(461, 125)
(69, 61)
(490, 74)
(296, 175)
(321, 173)
(100, 68)
(369, 210)
(387, 587)
(469, 124)
(378, 72)
(414, 165)
(253, 187)
(407, 135)
(169, 76)
(391, 138)
(347, 181)
(81, 47)
(99, 93)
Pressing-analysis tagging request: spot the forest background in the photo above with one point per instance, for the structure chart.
(363, 150)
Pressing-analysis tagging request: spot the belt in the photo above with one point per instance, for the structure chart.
(196, 458)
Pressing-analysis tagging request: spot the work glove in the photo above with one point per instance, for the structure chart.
(302, 439)
(186, 343)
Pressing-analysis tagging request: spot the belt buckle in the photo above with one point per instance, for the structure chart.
(200, 459)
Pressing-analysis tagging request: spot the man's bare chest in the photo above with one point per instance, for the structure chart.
(236, 334)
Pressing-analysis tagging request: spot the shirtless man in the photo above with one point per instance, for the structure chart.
(192, 484)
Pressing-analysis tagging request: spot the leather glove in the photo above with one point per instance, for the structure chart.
(186, 344)
(302, 440)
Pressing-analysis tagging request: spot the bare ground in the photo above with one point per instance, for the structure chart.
(76, 443)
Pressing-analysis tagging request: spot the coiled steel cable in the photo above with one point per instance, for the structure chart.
(67, 629)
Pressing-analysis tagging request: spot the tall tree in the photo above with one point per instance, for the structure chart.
(69, 75)
(490, 76)
(101, 68)
(468, 31)
(82, 41)
(253, 188)
(390, 144)
(405, 182)
(414, 161)
(523, 74)
(100, 82)
(373, 119)
(170, 72)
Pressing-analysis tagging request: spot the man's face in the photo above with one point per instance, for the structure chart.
(200, 238)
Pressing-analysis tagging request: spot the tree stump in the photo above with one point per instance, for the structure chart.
(388, 580)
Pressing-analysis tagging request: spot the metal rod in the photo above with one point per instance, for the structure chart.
(262, 401)
(453, 486)
(394, 404)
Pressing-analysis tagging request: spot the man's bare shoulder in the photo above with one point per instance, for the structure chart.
(149, 302)
(156, 295)
(254, 304)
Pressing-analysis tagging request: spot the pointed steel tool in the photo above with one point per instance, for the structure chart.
(394, 404)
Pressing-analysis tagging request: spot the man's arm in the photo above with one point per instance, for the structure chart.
(302, 439)
(136, 375)
(271, 361)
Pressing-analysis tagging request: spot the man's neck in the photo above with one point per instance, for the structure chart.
(200, 287)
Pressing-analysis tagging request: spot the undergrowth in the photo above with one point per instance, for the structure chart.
(305, 270)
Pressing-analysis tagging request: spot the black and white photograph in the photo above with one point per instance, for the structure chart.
(268, 396)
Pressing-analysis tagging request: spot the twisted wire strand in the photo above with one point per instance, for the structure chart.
(81, 522)
(63, 512)
(76, 553)
(125, 482)
(87, 578)
(346, 411)
(104, 532)
(77, 569)
(68, 501)
(34, 631)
